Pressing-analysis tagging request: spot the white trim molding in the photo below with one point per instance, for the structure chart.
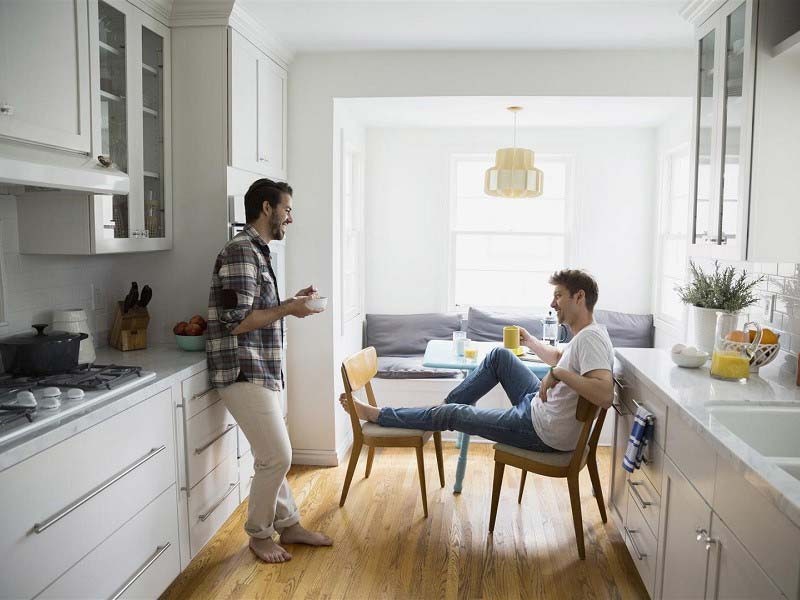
(160, 10)
(697, 11)
(255, 32)
(197, 13)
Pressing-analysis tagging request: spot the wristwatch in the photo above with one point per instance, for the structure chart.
(553, 375)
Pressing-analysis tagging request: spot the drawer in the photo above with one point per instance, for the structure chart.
(641, 544)
(95, 482)
(647, 500)
(210, 439)
(146, 547)
(693, 456)
(243, 444)
(197, 394)
(212, 502)
(246, 472)
(653, 465)
(636, 394)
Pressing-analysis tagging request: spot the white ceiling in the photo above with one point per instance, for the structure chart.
(336, 25)
(539, 111)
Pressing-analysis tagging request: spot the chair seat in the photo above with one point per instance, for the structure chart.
(555, 459)
(375, 430)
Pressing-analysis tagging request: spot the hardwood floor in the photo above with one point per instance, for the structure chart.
(384, 548)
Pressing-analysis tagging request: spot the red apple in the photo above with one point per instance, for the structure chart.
(194, 329)
(198, 320)
(180, 328)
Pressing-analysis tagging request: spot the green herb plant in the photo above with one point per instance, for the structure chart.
(721, 290)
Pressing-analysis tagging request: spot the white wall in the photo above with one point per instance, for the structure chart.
(315, 80)
(407, 210)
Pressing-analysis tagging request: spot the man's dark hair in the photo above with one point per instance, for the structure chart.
(263, 190)
(575, 280)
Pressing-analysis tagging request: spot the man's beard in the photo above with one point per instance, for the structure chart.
(277, 231)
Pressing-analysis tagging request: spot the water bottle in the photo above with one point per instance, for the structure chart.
(550, 329)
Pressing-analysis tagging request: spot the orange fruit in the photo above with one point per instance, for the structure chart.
(737, 336)
(767, 336)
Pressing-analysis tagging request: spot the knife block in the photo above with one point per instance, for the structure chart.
(129, 331)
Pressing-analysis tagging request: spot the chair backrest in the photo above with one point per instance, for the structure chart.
(592, 417)
(357, 372)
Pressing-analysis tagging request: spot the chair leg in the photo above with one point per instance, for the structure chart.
(598, 491)
(355, 451)
(575, 502)
(421, 467)
(437, 442)
(522, 485)
(497, 483)
(370, 456)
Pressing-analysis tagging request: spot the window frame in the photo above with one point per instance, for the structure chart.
(570, 212)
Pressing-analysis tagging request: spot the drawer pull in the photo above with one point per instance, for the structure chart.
(205, 446)
(159, 551)
(633, 485)
(630, 533)
(40, 527)
(617, 408)
(207, 514)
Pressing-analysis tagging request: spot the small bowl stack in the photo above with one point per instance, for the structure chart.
(688, 357)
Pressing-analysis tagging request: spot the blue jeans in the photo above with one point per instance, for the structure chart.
(512, 426)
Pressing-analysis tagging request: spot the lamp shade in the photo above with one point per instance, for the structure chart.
(513, 175)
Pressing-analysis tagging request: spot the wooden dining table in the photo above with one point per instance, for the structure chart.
(441, 354)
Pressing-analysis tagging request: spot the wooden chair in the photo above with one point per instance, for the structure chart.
(357, 373)
(558, 464)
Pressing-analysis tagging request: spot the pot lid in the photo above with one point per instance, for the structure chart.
(40, 337)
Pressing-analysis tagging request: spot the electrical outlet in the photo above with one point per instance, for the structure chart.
(98, 298)
(766, 307)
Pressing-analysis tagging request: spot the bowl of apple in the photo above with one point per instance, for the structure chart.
(190, 335)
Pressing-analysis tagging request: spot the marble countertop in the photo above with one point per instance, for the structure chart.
(170, 364)
(691, 394)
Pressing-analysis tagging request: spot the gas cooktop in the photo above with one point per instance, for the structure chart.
(29, 404)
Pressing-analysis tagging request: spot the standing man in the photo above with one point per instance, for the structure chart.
(244, 348)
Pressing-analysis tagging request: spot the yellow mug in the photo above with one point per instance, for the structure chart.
(511, 337)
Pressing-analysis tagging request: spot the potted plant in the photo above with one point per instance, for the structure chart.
(709, 293)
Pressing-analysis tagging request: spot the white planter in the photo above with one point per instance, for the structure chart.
(74, 320)
(703, 328)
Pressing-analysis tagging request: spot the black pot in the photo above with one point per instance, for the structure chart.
(40, 353)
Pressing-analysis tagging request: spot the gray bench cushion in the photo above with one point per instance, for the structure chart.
(410, 367)
(627, 330)
(408, 335)
(487, 326)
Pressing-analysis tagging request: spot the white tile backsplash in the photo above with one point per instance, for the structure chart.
(35, 285)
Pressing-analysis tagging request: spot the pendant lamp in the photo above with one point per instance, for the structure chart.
(513, 175)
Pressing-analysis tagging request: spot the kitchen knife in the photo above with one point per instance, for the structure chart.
(146, 296)
(132, 298)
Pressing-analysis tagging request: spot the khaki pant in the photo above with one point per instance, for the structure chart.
(257, 410)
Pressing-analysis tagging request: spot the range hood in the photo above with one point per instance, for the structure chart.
(42, 168)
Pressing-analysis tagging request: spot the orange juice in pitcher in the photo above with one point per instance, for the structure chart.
(732, 348)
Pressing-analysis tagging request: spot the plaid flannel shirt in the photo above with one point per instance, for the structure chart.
(244, 267)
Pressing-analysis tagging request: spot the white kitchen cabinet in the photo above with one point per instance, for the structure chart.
(257, 115)
(732, 572)
(623, 423)
(741, 179)
(685, 524)
(45, 94)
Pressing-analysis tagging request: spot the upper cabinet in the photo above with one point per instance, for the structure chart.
(257, 115)
(44, 73)
(737, 190)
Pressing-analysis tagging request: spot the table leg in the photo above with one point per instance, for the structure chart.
(461, 466)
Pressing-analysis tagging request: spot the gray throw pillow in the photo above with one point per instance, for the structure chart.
(487, 326)
(627, 330)
(408, 335)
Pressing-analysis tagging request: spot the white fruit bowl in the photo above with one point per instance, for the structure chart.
(689, 361)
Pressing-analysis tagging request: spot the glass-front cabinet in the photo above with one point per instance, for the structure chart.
(131, 58)
(722, 131)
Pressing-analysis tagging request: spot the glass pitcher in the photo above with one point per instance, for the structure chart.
(733, 348)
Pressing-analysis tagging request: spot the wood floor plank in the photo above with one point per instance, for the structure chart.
(384, 548)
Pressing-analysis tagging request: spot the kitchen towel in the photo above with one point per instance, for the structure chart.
(637, 442)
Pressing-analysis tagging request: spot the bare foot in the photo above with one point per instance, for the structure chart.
(268, 551)
(365, 412)
(297, 534)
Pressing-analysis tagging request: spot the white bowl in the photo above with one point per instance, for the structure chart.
(689, 361)
(319, 303)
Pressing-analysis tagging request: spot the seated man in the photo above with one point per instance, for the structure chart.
(542, 417)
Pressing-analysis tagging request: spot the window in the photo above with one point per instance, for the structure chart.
(503, 250)
(673, 219)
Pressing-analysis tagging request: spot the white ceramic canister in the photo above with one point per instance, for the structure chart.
(74, 320)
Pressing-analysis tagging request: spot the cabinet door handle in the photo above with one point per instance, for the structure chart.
(40, 527)
(630, 533)
(6, 110)
(633, 485)
(702, 537)
(205, 446)
(159, 551)
(207, 514)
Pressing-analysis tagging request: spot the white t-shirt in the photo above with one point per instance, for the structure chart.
(554, 420)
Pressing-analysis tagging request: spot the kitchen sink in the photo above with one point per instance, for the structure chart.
(773, 431)
(792, 468)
